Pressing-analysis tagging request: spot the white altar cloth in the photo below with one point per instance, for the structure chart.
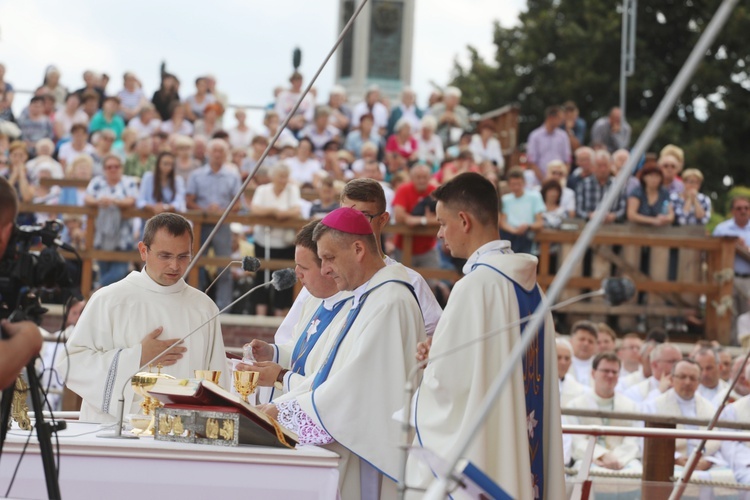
(92, 467)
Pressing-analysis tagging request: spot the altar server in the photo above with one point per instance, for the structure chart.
(520, 444)
(350, 401)
(367, 196)
(128, 323)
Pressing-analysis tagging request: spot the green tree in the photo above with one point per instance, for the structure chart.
(570, 49)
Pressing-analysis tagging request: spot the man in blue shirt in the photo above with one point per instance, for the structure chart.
(521, 213)
(211, 188)
(738, 226)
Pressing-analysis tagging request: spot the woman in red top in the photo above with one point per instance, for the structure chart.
(401, 144)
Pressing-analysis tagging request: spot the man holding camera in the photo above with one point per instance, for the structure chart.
(21, 341)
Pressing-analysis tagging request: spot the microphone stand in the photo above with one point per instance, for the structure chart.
(438, 489)
(272, 142)
(409, 387)
(117, 434)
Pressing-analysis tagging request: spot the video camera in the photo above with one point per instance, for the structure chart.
(24, 273)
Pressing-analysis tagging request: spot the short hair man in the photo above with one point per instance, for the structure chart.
(353, 410)
(684, 400)
(547, 143)
(25, 340)
(127, 324)
(368, 196)
(584, 157)
(606, 338)
(630, 354)
(499, 288)
(583, 338)
(411, 206)
(738, 226)
(570, 388)
(611, 131)
(211, 189)
(737, 453)
(662, 359)
(612, 452)
(322, 312)
(522, 213)
(711, 384)
(592, 189)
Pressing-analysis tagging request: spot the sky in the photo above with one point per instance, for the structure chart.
(246, 44)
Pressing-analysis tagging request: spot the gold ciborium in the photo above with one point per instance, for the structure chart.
(245, 383)
(210, 375)
(142, 382)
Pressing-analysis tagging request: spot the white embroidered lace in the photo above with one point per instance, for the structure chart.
(295, 419)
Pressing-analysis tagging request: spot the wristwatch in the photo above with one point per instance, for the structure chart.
(423, 221)
(280, 379)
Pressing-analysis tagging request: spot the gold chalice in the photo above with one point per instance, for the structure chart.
(142, 382)
(245, 383)
(210, 375)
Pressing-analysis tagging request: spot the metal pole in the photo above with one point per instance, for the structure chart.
(624, 58)
(438, 489)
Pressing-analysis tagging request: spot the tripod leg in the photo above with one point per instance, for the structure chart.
(44, 434)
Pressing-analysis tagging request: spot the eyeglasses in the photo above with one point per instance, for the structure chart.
(690, 378)
(112, 167)
(168, 257)
(608, 372)
(370, 217)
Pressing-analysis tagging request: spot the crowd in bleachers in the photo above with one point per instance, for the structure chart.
(177, 152)
(653, 377)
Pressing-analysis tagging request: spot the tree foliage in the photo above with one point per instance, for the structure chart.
(570, 49)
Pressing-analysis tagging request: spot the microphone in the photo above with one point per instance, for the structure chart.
(618, 290)
(614, 290)
(249, 265)
(283, 279)
(280, 280)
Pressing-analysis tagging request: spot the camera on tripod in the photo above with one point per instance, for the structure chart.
(24, 274)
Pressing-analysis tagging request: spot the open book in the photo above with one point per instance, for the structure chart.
(259, 428)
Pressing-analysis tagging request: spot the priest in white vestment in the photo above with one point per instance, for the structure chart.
(638, 376)
(741, 388)
(128, 323)
(520, 445)
(611, 453)
(569, 386)
(711, 382)
(662, 358)
(684, 400)
(349, 402)
(367, 196)
(283, 367)
(737, 453)
(584, 339)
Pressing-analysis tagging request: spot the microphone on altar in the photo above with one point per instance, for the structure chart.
(616, 291)
(249, 265)
(280, 280)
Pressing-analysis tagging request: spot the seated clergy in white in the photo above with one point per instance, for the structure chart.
(569, 386)
(519, 446)
(711, 383)
(349, 402)
(284, 367)
(613, 453)
(684, 400)
(584, 339)
(629, 352)
(639, 376)
(741, 388)
(128, 323)
(662, 359)
(737, 453)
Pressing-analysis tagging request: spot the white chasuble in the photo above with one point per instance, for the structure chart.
(105, 348)
(453, 387)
